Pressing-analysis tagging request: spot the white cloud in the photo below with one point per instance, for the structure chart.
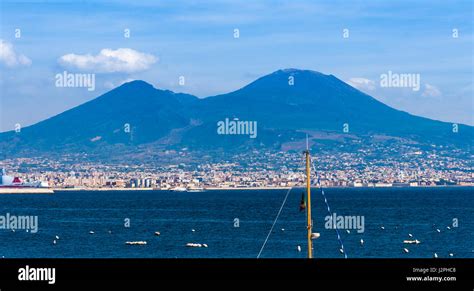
(431, 91)
(110, 61)
(10, 58)
(362, 84)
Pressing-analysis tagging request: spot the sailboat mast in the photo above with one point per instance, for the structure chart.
(308, 206)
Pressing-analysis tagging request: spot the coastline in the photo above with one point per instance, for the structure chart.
(52, 190)
(26, 191)
(253, 188)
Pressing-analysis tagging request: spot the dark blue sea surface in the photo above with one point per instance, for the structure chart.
(71, 215)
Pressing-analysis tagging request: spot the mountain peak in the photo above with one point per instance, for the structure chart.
(279, 80)
(136, 84)
(298, 71)
(132, 88)
(141, 91)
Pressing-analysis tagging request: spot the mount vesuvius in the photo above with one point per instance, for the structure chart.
(313, 103)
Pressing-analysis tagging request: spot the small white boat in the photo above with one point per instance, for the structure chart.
(341, 251)
(91, 232)
(410, 235)
(298, 248)
(57, 237)
(178, 189)
(194, 245)
(405, 250)
(195, 189)
(382, 227)
(435, 255)
(54, 242)
(135, 243)
(361, 241)
(438, 230)
(448, 227)
(451, 255)
(348, 231)
(408, 241)
(157, 233)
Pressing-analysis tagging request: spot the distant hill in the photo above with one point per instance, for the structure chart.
(286, 105)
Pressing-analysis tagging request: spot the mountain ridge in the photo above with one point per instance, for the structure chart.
(286, 104)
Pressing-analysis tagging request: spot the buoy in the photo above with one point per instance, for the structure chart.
(135, 243)
(157, 233)
(411, 241)
(435, 255)
(361, 241)
(298, 248)
(405, 250)
(196, 245)
(27, 230)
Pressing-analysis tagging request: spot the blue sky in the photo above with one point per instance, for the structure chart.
(195, 39)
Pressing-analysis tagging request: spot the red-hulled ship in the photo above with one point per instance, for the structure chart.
(15, 182)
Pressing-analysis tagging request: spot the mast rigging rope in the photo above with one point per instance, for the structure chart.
(274, 222)
(318, 183)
